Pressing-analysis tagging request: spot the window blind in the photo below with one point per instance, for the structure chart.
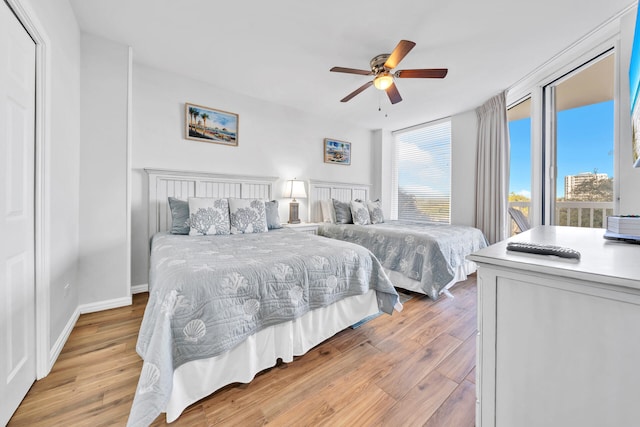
(423, 172)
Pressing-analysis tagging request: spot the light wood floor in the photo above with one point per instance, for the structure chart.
(414, 368)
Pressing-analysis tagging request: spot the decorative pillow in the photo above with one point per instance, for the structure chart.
(208, 216)
(273, 216)
(360, 213)
(328, 213)
(179, 216)
(247, 216)
(343, 212)
(375, 211)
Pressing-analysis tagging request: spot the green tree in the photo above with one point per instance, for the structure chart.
(513, 197)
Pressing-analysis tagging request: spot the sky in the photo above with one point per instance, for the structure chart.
(585, 144)
(220, 119)
(424, 160)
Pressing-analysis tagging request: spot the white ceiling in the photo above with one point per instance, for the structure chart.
(282, 50)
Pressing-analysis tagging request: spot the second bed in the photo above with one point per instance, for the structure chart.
(423, 257)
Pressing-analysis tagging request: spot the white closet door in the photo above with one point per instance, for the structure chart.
(17, 276)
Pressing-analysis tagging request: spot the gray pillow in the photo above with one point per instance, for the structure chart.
(343, 212)
(179, 216)
(273, 216)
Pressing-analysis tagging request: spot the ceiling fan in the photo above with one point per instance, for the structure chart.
(381, 67)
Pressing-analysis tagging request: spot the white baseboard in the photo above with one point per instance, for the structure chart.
(82, 309)
(104, 305)
(138, 289)
(62, 339)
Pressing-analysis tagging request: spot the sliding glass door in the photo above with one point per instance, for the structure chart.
(579, 148)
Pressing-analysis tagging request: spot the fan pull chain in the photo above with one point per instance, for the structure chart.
(380, 104)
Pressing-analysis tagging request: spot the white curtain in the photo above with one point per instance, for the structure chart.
(492, 172)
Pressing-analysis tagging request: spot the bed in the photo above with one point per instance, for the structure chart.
(422, 257)
(224, 307)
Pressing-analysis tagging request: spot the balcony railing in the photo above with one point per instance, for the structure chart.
(576, 214)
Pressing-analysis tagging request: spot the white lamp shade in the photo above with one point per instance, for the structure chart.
(383, 81)
(295, 190)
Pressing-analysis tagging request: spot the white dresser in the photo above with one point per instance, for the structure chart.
(559, 339)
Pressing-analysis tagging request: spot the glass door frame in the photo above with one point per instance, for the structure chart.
(549, 137)
(536, 155)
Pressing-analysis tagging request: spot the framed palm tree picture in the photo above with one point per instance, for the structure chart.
(210, 125)
(337, 152)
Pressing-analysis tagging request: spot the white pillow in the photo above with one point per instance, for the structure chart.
(328, 213)
(208, 216)
(360, 213)
(247, 216)
(375, 211)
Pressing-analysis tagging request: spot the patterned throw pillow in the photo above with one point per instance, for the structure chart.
(208, 216)
(273, 216)
(247, 216)
(360, 213)
(179, 216)
(343, 212)
(375, 211)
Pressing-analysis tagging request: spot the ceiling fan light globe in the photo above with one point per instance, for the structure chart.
(383, 81)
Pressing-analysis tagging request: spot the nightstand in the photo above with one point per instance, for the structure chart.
(303, 227)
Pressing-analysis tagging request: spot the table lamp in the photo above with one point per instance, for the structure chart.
(294, 189)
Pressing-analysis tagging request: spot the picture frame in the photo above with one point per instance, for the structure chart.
(207, 124)
(337, 152)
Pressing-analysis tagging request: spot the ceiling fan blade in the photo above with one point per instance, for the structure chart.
(427, 73)
(394, 95)
(398, 53)
(351, 71)
(357, 91)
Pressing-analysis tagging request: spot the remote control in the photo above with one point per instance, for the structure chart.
(534, 248)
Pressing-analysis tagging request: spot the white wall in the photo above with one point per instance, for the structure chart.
(464, 142)
(272, 140)
(62, 155)
(103, 268)
(382, 168)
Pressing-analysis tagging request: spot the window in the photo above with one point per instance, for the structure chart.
(519, 118)
(423, 172)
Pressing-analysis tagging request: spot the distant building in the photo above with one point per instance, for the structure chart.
(572, 181)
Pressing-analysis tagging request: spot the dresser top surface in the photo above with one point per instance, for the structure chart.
(612, 261)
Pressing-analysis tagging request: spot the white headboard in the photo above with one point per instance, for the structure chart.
(323, 190)
(165, 183)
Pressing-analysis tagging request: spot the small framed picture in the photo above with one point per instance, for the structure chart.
(210, 125)
(337, 152)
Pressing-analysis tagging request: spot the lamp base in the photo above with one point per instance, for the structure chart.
(293, 213)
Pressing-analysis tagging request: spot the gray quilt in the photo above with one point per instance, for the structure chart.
(208, 293)
(427, 252)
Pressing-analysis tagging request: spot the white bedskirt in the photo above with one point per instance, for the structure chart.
(401, 281)
(199, 378)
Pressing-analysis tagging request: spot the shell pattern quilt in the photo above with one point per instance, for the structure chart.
(427, 252)
(209, 293)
